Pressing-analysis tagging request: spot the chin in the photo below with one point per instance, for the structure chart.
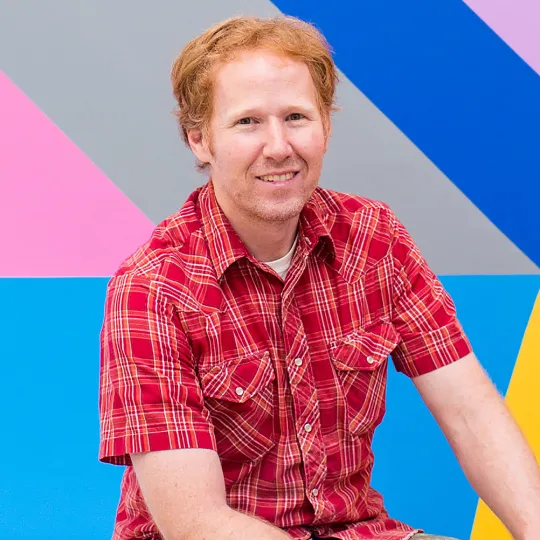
(284, 213)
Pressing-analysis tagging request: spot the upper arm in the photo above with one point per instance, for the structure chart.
(150, 396)
(423, 313)
(451, 391)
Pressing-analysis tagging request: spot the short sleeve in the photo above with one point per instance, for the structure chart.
(150, 398)
(424, 314)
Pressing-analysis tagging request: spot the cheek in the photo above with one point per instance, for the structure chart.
(311, 147)
(238, 153)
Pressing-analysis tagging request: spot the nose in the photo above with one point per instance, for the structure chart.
(277, 145)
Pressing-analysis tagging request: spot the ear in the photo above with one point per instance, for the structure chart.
(327, 133)
(199, 146)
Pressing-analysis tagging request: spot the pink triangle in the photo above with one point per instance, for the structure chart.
(517, 22)
(59, 214)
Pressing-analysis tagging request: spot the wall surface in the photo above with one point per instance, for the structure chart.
(440, 119)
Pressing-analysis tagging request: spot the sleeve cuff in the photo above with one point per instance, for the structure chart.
(428, 352)
(117, 451)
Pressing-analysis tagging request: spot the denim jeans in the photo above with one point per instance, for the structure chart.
(431, 537)
(420, 537)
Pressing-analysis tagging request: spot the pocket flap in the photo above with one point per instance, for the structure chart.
(239, 381)
(365, 350)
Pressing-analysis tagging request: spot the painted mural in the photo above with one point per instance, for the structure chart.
(440, 118)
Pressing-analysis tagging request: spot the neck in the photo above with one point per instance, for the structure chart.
(266, 241)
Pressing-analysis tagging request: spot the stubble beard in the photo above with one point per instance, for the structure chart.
(279, 211)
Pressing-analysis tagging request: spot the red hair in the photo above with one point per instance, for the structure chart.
(193, 70)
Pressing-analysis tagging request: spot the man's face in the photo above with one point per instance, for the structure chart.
(267, 138)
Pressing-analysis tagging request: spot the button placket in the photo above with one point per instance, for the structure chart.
(314, 462)
(304, 396)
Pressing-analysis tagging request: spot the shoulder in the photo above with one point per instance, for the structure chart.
(351, 215)
(163, 262)
(362, 230)
(347, 206)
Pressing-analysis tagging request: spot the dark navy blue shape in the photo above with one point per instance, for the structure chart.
(455, 89)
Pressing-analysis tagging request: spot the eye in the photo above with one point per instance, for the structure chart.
(245, 121)
(295, 116)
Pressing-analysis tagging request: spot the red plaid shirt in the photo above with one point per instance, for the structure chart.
(205, 347)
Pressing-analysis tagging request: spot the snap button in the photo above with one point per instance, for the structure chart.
(370, 360)
(298, 361)
(239, 391)
(308, 428)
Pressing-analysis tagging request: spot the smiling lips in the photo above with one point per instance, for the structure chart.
(277, 177)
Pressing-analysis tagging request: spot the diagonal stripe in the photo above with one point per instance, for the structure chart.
(59, 215)
(523, 398)
(455, 89)
(370, 156)
(125, 126)
(100, 71)
(517, 22)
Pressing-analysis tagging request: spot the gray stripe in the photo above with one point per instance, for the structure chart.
(100, 71)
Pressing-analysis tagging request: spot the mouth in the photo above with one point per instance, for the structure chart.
(282, 178)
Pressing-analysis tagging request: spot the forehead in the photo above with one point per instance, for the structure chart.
(255, 78)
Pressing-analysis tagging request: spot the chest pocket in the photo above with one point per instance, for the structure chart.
(361, 361)
(240, 399)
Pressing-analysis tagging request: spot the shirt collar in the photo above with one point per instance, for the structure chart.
(316, 222)
(224, 244)
(226, 247)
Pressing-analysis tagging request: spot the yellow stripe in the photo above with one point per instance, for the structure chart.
(523, 399)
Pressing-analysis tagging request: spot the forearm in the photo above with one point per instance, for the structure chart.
(498, 463)
(185, 494)
(227, 524)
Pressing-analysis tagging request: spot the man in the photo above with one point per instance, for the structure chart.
(245, 346)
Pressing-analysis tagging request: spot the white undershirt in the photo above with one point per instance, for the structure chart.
(281, 266)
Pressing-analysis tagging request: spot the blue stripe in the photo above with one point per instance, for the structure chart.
(54, 487)
(50, 367)
(455, 89)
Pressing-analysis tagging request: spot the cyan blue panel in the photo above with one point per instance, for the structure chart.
(52, 486)
(495, 311)
(415, 468)
(455, 89)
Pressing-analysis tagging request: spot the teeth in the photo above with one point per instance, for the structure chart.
(277, 177)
